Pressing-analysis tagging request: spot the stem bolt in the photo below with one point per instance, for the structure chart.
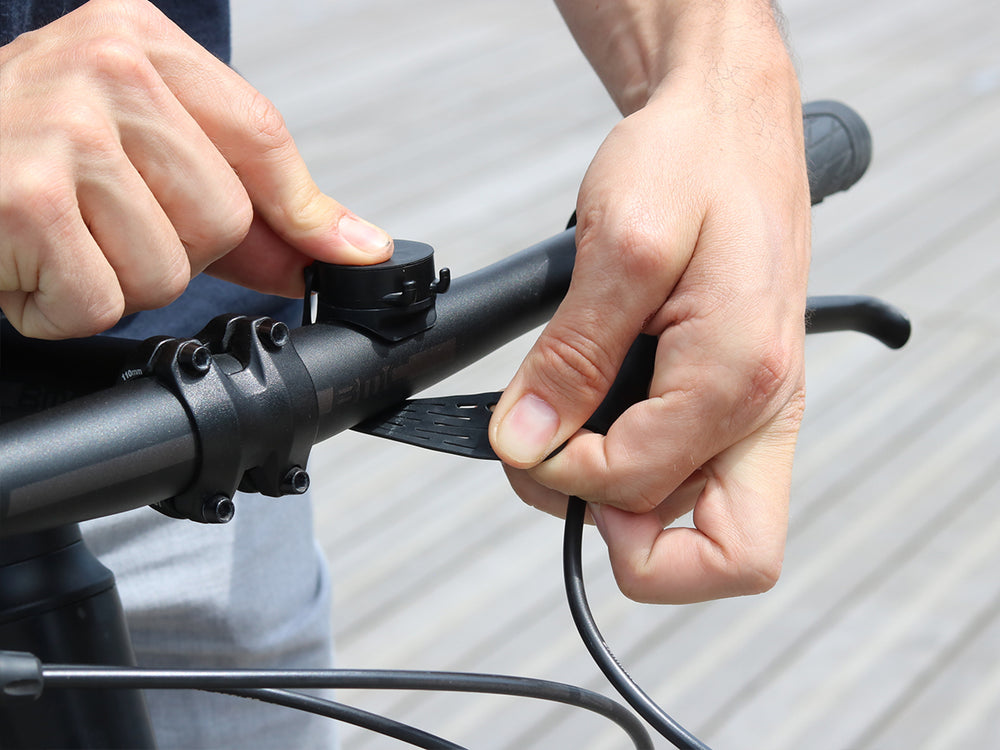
(296, 481)
(194, 358)
(273, 334)
(218, 509)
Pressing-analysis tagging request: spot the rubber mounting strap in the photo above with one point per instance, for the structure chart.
(449, 424)
(459, 424)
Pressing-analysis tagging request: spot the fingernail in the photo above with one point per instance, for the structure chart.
(366, 237)
(528, 430)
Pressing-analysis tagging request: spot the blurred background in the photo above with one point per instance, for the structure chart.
(468, 124)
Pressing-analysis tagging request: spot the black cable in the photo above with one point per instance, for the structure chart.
(74, 676)
(598, 648)
(349, 714)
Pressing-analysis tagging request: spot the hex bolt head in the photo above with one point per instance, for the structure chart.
(218, 509)
(273, 334)
(194, 358)
(295, 482)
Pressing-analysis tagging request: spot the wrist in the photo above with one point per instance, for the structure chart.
(723, 49)
(639, 47)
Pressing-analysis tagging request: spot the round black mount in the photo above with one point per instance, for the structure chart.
(394, 299)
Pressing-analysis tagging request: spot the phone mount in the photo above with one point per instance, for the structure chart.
(392, 300)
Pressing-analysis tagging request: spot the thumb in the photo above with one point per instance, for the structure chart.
(558, 386)
(573, 363)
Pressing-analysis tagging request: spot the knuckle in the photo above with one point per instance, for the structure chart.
(723, 572)
(635, 574)
(86, 128)
(639, 579)
(100, 315)
(266, 123)
(794, 409)
(234, 226)
(639, 249)
(171, 280)
(643, 502)
(175, 277)
(768, 372)
(709, 388)
(628, 239)
(742, 389)
(747, 569)
(112, 57)
(306, 209)
(35, 201)
(758, 383)
(228, 227)
(758, 575)
(162, 278)
(575, 367)
(637, 585)
(96, 313)
(626, 485)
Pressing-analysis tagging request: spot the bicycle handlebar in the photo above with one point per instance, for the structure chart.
(270, 395)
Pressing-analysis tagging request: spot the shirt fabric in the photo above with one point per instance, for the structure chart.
(205, 21)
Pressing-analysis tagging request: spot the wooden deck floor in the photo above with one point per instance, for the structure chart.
(468, 124)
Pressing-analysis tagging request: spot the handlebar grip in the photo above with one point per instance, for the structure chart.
(838, 147)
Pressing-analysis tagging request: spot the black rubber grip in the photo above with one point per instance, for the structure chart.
(838, 147)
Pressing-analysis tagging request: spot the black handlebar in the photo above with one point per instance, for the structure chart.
(172, 431)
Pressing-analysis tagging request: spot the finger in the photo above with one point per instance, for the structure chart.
(39, 298)
(131, 229)
(264, 261)
(251, 135)
(536, 495)
(682, 500)
(554, 502)
(245, 128)
(147, 183)
(740, 521)
(283, 192)
(657, 444)
(194, 185)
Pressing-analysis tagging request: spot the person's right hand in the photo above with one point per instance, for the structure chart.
(131, 160)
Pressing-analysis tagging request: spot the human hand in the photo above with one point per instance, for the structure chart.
(693, 226)
(133, 159)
